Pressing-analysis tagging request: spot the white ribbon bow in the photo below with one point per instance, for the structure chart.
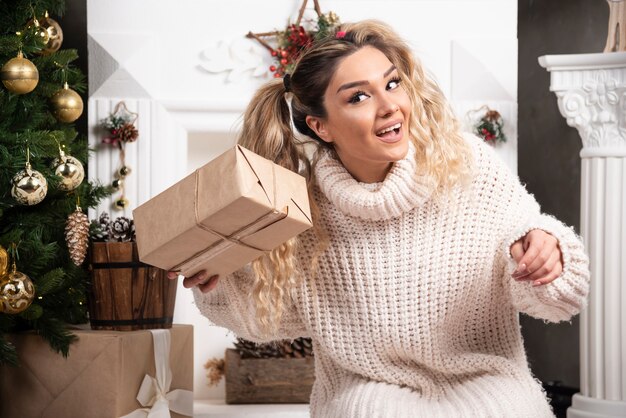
(154, 392)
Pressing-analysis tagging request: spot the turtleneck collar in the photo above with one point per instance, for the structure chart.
(400, 192)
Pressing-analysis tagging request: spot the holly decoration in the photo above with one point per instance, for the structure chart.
(295, 39)
(490, 127)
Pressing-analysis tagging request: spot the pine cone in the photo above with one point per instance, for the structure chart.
(122, 229)
(97, 232)
(128, 133)
(249, 349)
(77, 235)
(104, 220)
(298, 348)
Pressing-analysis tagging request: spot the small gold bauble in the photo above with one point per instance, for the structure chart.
(121, 203)
(19, 75)
(67, 106)
(29, 186)
(70, 170)
(16, 292)
(117, 184)
(124, 171)
(4, 261)
(39, 31)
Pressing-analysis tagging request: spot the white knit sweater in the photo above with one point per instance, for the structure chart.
(412, 311)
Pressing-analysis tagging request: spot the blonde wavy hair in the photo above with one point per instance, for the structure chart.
(442, 155)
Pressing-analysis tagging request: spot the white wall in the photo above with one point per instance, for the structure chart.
(154, 54)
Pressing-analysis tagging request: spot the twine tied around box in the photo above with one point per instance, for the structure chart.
(154, 393)
(227, 241)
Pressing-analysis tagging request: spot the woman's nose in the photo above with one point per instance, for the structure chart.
(388, 108)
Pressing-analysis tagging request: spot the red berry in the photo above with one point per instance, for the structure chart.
(283, 61)
(283, 53)
(274, 53)
(272, 68)
(276, 75)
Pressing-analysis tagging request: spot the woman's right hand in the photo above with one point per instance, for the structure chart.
(199, 279)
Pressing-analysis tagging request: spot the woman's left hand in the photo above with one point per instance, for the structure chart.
(538, 258)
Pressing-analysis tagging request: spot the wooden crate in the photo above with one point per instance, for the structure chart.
(126, 294)
(272, 380)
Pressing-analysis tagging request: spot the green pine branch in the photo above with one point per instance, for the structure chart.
(56, 333)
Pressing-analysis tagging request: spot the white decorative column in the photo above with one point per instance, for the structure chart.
(591, 92)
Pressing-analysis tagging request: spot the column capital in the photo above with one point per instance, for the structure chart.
(591, 93)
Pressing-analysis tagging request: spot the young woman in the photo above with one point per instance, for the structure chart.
(424, 250)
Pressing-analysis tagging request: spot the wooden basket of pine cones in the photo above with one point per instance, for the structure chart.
(125, 294)
(277, 372)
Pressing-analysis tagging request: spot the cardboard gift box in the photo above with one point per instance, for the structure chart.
(224, 215)
(102, 376)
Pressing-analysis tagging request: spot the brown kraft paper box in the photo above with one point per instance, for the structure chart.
(224, 215)
(100, 378)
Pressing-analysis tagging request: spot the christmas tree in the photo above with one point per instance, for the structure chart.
(42, 162)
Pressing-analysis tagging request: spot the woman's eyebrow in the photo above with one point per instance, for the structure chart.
(362, 82)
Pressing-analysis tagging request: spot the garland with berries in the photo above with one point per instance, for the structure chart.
(291, 42)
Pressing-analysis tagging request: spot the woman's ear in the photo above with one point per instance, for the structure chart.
(318, 126)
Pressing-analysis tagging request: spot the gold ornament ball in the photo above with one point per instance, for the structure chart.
(19, 75)
(54, 33)
(67, 106)
(29, 186)
(121, 203)
(124, 171)
(41, 32)
(70, 170)
(117, 184)
(16, 292)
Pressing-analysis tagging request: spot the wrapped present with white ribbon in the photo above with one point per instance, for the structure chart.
(108, 374)
(154, 392)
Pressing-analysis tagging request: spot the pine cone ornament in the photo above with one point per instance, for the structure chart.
(122, 229)
(298, 348)
(128, 133)
(77, 235)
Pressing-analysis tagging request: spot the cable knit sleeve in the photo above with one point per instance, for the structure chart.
(566, 295)
(231, 305)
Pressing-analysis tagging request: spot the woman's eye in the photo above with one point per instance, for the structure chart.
(393, 83)
(358, 97)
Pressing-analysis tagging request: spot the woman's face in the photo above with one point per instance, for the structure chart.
(367, 115)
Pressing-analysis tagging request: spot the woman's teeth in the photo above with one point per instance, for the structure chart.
(389, 129)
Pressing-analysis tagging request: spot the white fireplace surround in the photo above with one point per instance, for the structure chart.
(186, 69)
(590, 89)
